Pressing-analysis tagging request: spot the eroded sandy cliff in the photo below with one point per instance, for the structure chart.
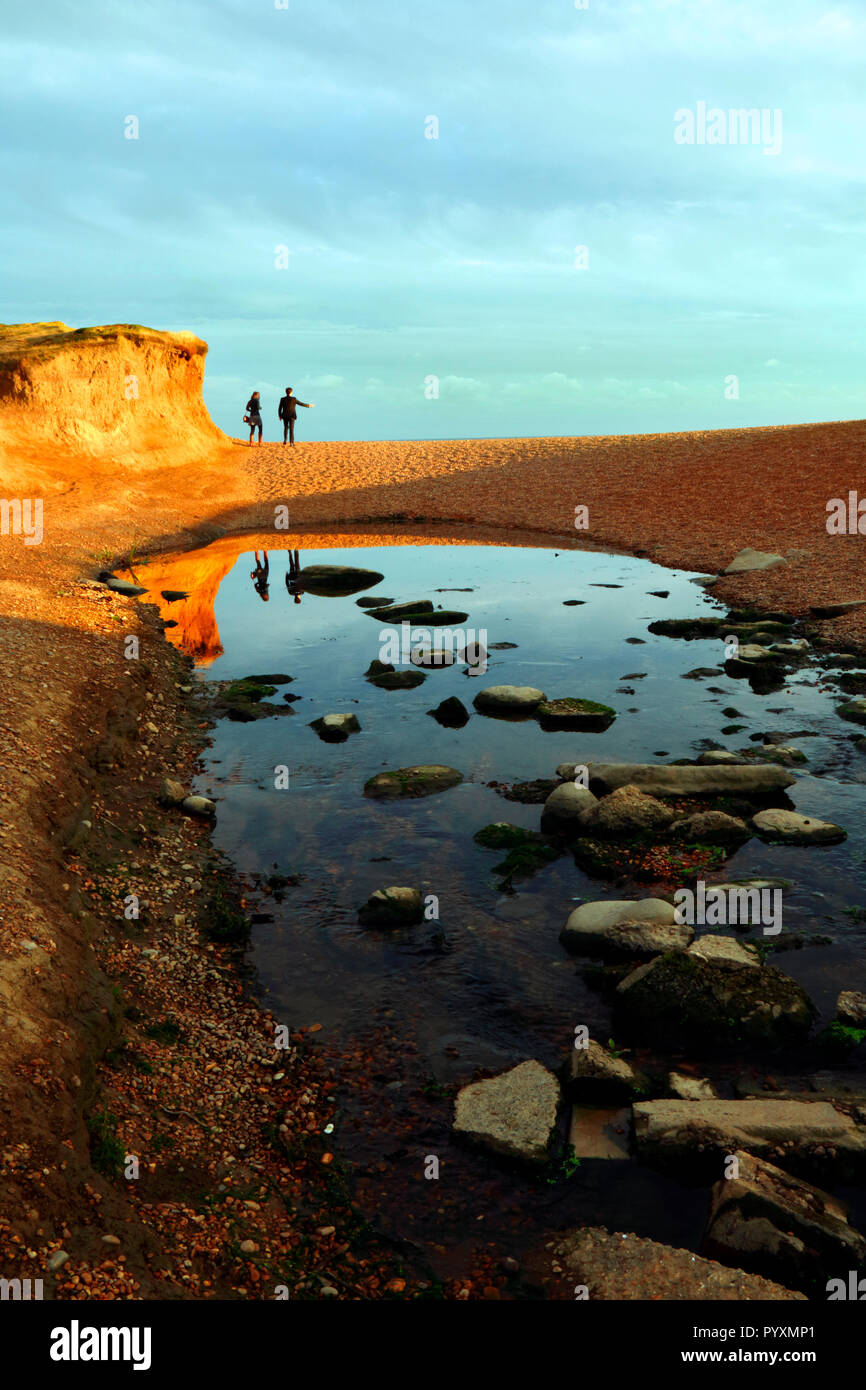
(119, 395)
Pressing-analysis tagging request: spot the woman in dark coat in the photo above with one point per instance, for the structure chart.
(254, 415)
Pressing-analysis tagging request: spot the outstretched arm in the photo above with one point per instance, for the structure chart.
(308, 405)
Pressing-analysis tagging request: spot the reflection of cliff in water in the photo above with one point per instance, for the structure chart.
(199, 574)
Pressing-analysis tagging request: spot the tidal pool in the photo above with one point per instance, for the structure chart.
(419, 1010)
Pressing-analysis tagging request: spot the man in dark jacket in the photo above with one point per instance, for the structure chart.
(288, 412)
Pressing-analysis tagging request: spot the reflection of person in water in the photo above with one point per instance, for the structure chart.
(293, 577)
(259, 576)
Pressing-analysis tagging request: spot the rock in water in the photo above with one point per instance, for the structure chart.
(508, 700)
(513, 1114)
(685, 998)
(622, 929)
(855, 710)
(386, 612)
(790, 828)
(626, 811)
(198, 806)
(768, 1222)
(573, 713)
(422, 780)
(712, 828)
(685, 1136)
(568, 802)
(392, 907)
(385, 677)
(666, 779)
(597, 1075)
(335, 728)
(851, 1008)
(451, 714)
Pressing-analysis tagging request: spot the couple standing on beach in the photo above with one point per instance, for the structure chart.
(287, 413)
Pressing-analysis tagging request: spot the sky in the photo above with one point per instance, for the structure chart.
(452, 218)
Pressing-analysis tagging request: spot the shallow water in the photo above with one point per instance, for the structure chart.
(488, 984)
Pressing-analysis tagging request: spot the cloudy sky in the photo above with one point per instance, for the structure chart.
(556, 262)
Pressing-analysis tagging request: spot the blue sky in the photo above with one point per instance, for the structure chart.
(410, 258)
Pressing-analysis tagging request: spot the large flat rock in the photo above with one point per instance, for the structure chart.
(681, 1134)
(663, 779)
(618, 1267)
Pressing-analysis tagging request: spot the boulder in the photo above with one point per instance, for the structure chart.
(748, 560)
(851, 1008)
(422, 780)
(596, 1075)
(684, 1136)
(684, 998)
(508, 700)
(855, 710)
(767, 1222)
(198, 806)
(616, 1267)
(568, 802)
(513, 1114)
(451, 714)
(790, 828)
(711, 828)
(626, 811)
(665, 779)
(573, 713)
(379, 601)
(392, 907)
(336, 728)
(625, 929)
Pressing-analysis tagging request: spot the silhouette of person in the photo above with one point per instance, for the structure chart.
(254, 415)
(259, 576)
(293, 576)
(288, 412)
